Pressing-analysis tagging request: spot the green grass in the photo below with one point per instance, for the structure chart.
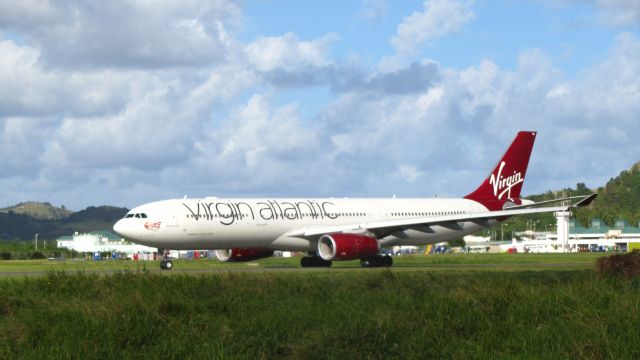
(378, 314)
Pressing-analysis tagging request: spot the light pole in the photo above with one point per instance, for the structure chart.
(36, 242)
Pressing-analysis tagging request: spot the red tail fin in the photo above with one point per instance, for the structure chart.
(505, 181)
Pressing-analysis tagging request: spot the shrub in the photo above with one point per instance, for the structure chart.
(620, 265)
(5, 256)
(37, 255)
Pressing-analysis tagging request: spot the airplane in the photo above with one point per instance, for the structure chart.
(328, 229)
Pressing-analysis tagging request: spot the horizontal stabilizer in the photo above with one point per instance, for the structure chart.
(584, 201)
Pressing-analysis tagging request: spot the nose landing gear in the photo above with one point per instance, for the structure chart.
(165, 263)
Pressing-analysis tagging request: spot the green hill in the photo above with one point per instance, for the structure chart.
(89, 219)
(618, 199)
(38, 210)
(15, 226)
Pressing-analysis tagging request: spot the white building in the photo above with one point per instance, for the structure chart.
(103, 241)
(597, 237)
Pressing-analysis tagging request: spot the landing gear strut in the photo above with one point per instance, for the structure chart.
(377, 261)
(314, 261)
(165, 263)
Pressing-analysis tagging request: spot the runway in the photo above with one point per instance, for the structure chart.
(154, 269)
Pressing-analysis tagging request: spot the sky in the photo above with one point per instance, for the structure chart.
(126, 102)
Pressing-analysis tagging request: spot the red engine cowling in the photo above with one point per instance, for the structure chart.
(239, 255)
(347, 246)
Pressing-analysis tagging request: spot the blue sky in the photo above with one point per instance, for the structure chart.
(572, 34)
(126, 102)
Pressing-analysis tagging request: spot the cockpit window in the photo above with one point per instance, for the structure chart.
(137, 216)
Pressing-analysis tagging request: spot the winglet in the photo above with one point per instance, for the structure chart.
(505, 181)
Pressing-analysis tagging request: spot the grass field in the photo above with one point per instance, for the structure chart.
(402, 313)
(448, 261)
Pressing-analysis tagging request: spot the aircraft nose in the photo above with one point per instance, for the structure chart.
(120, 228)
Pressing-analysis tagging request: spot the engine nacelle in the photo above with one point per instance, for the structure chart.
(347, 246)
(239, 255)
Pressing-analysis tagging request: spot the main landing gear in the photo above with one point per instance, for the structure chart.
(314, 261)
(165, 263)
(377, 261)
(370, 261)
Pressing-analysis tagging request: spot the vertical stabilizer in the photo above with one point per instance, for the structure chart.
(505, 181)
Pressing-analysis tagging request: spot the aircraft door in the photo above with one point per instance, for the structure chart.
(171, 216)
(381, 213)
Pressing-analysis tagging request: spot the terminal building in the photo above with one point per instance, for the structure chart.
(574, 237)
(101, 242)
(600, 237)
(570, 236)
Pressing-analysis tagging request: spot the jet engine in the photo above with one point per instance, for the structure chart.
(239, 255)
(347, 246)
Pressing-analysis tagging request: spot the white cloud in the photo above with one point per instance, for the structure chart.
(614, 13)
(129, 34)
(28, 88)
(613, 87)
(409, 172)
(26, 135)
(258, 147)
(373, 9)
(25, 14)
(438, 18)
(288, 53)
(619, 12)
(558, 92)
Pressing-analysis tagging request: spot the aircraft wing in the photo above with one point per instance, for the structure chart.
(387, 227)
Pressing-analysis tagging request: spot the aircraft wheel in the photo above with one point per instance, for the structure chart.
(376, 261)
(314, 261)
(388, 261)
(166, 265)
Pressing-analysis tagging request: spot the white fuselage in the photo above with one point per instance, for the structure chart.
(213, 223)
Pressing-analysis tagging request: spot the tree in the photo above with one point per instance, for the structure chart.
(457, 243)
(37, 255)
